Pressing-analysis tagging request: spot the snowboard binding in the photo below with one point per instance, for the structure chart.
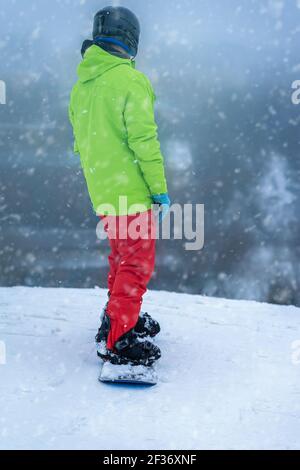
(129, 349)
(132, 360)
(132, 348)
(146, 326)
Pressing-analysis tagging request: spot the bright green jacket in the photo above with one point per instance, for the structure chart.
(112, 114)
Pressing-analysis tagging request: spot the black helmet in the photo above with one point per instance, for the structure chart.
(117, 25)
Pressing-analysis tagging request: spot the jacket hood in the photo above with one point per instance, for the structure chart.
(96, 62)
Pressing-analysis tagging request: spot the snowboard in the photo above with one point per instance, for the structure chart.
(128, 374)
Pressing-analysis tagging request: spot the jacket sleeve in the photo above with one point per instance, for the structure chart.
(142, 134)
(71, 117)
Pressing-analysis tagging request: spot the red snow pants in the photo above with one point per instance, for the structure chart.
(132, 259)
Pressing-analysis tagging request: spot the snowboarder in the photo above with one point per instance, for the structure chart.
(112, 114)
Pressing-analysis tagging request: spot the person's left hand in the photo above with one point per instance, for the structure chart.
(164, 202)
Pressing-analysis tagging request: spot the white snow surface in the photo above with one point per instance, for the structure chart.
(227, 378)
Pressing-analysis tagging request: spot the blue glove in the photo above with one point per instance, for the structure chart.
(164, 202)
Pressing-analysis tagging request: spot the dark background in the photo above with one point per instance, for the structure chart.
(222, 72)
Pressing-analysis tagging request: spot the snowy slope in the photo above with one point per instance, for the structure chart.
(227, 376)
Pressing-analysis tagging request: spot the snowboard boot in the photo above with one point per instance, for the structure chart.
(134, 351)
(146, 327)
(102, 335)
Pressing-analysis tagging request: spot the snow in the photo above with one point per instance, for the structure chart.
(229, 376)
